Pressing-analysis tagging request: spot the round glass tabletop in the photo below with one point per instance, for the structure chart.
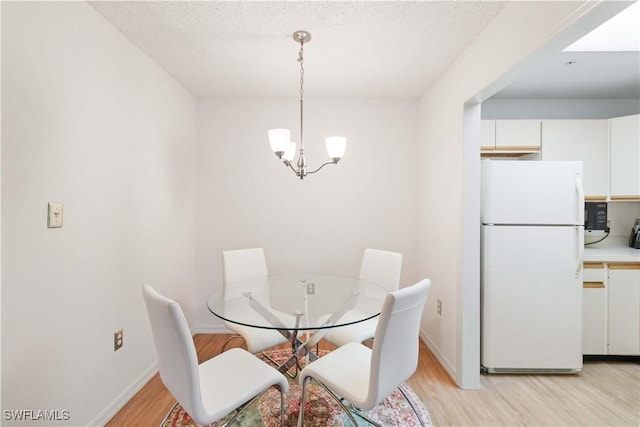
(298, 301)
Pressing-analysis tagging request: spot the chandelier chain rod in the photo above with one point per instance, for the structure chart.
(301, 60)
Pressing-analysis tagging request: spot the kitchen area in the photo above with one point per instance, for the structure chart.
(609, 150)
(563, 305)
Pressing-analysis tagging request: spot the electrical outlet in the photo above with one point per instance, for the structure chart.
(311, 288)
(118, 341)
(439, 307)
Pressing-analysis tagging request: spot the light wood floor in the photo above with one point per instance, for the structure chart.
(603, 394)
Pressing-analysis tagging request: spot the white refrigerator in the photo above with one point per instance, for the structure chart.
(531, 266)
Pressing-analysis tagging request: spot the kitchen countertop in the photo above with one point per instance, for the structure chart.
(611, 249)
(611, 254)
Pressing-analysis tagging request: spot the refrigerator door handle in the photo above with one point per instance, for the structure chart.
(580, 243)
(580, 190)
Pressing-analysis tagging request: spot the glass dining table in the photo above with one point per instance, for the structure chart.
(302, 307)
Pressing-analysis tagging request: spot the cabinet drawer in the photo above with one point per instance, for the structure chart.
(594, 309)
(594, 275)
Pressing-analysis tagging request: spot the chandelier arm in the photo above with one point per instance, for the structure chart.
(296, 171)
(333, 162)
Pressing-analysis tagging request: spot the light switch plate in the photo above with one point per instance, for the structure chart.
(54, 215)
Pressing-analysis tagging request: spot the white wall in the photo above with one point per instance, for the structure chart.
(512, 40)
(248, 198)
(622, 215)
(89, 121)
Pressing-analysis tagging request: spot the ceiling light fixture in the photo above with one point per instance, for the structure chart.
(280, 139)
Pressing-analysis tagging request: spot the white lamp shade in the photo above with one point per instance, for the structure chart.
(289, 152)
(336, 146)
(279, 138)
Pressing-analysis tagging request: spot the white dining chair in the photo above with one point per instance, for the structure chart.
(242, 264)
(365, 377)
(215, 388)
(380, 267)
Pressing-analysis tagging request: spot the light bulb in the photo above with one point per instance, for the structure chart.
(336, 146)
(278, 139)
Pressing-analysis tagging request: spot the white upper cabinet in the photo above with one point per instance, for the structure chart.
(586, 140)
(518, 134)
(512, 138)
(625, 157)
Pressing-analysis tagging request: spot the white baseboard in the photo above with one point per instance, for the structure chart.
(446, 364)
(118, 403)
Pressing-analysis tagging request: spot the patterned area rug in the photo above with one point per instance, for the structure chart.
(320, 409)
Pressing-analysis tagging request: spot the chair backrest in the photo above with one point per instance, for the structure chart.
(243, 264)
(176, 352)
(394, 357)
(382, 267)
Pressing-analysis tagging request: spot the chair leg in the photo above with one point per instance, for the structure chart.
(412, 407)
(302, 397)
(359, 413)
(364, 417)
(281, 407)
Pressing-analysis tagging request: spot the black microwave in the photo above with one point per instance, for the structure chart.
(595, 216)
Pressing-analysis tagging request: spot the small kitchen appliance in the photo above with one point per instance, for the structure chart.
(595, 216)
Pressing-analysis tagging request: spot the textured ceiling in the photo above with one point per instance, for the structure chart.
(358, 49)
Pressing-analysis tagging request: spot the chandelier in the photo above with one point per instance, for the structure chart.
(280, 139)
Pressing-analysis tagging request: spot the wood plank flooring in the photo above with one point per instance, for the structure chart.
(603, 394)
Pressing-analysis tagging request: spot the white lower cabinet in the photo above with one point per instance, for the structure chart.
(611, 309)
(624, 309)
(594, 304)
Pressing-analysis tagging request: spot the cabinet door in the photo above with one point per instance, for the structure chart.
(624, 309)
(625, 157)
(585, 140)
(518, 135)
(594, 309)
